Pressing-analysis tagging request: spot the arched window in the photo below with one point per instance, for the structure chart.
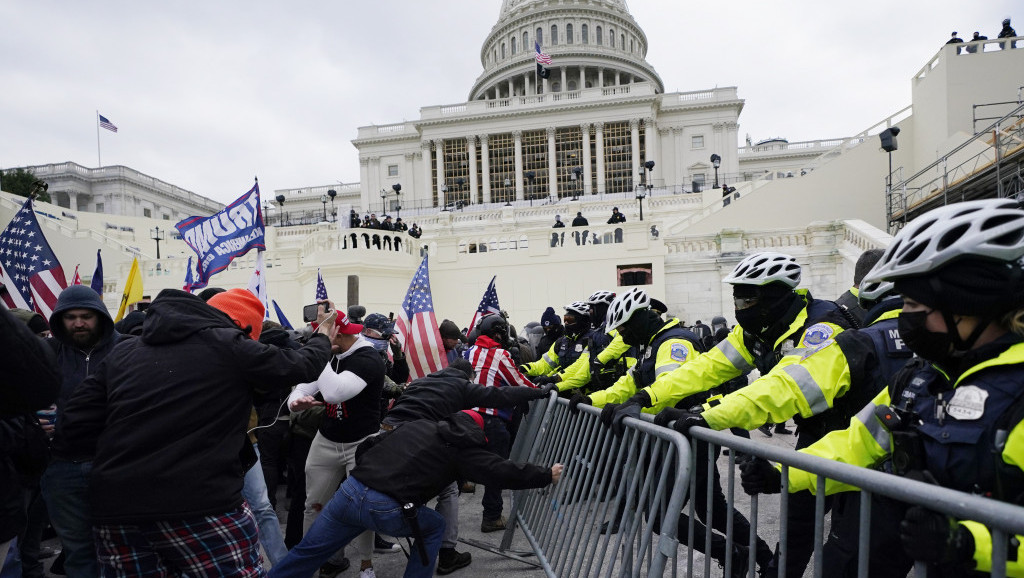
(540, 36)
(600, 40)
(502, 50)
(611, 37)
(568, 34)
(513, 46)
(554, 34)
(586, 34)
(526, 41)
(572, 85)
(556, 87)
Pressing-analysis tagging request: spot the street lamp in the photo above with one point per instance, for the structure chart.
(444, 197)
(577, 175)
(648, 168)
(716, 161)
(323, 199)
(888, 138)
(458, 193)
(641, 192)
(508, 199)
(157, 235)
(280, 204)
(334, 212)
(530, 175)
(398, 201)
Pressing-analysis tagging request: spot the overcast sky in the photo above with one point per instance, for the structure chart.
(208, 94)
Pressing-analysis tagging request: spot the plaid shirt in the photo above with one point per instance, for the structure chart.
(494, 368)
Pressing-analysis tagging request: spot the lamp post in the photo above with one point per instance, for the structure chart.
(716, 161)
(280, 204)
(383, 203)
(530, 175)
(888, 138)
(323, 200)
(508, 200)
(398, 201)
(444, 197)
(157, 235)
(459, 182)
(334, 212)
(648, 169)
(577, 175)
(641, 192)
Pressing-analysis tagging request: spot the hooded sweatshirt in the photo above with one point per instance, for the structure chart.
(166, 413)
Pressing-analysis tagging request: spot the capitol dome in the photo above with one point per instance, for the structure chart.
(592, 43)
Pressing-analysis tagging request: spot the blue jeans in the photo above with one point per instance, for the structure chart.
(354, 509)
(65, 488)
(254, 490)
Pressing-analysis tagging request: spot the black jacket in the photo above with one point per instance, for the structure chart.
(442, 393)
(416, 461)
(167, 412)
(30, 381)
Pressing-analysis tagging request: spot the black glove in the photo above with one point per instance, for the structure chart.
(578, 398)
(546, 389)
(688, 420)
(668, 415)
(631, 409)
(935, 538)
(607, 412)
(758, 476)
(544, 379)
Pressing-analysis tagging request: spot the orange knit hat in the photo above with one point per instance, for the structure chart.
(244, 308)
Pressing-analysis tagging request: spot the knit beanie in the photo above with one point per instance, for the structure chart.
(476, 417)
(449, 330)
(244, 308)
(550, 318)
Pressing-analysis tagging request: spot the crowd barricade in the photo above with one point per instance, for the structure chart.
(625, 484)
(1004, 520)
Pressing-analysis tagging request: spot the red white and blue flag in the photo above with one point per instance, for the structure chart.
(97, 275)
(321, 289)
(225, 235)
(258, 284)
(541, 57)
(105, 123)
(29, 269)
(417, 327)
(488, 305)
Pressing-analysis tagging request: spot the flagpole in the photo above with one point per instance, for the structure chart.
(99, 158)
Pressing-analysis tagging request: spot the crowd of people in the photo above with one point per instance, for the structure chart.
(1006, 31)
(159, 447)
(370, 221)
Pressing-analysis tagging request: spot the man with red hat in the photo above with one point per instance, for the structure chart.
(397, 473)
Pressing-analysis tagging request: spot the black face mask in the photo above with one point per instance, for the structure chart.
(935, 347)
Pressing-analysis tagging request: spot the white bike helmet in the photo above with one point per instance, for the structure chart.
(767, 267)
(873, 291)
(988, 229)
(625, 305)
(578, 307)
(605, 297)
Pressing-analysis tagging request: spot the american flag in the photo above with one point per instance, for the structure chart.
(321, 289)
(489, 303)
(76, 279)
(258, 284)
(105, 123)
(418, 326)
(97, 275)
(541, 57)
(29, 270)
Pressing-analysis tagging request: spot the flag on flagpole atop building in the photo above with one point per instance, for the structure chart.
(258, 284)
(29, 269)
(97, 276)
(542, 59)
(417, 327)
(488, 305)
(105, 123)
(280, 316)
(76, 280)
(321, 289)
(132, 290)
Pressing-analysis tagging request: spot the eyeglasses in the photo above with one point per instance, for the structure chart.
(742, 303)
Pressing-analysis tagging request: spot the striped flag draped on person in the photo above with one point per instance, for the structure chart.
(417, 326)
(29, 270)
(488, 304)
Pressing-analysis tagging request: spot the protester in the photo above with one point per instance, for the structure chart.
(397, 473)
(165, 415)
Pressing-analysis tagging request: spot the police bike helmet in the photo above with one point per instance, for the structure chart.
(605, 297)
(625, 305)
(764, 268)
(871, 293)
(578, 308)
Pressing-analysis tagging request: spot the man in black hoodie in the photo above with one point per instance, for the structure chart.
(83, 335)
(165, 416)
(399, 472)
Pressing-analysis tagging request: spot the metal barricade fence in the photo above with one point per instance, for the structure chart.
(1004, 520)
(609, 515)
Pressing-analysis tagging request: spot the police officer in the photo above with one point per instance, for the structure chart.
(774, 320)
(605, 358)
(958, 407)
(567, 348)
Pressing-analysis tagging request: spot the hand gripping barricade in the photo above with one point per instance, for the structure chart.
(639, 477)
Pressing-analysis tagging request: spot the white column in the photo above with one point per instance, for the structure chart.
(634, 145)
(473, 186)
(439, 147)
(511, 90)
(426, 188)
(547, 86)
(552, 164)
(527, 84)
(364, 187)
(485, 167)
(599, 137)
(585, 129)
(650, 134)
(564, 87)
(583, 78)
(73, 201)
(617, 81)
(374, 170)
(518, 135)
(600, 78)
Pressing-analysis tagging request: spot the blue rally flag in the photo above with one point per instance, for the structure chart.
(218, 239)
(280, 316)
(97, 275)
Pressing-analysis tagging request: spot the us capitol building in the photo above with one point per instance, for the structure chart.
(485, 179)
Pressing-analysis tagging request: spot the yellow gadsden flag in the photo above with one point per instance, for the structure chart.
(132, 289)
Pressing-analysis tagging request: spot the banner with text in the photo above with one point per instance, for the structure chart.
(226, 235)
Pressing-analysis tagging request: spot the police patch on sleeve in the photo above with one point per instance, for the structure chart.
(679, 352)
(817, 334)
(968, 403)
